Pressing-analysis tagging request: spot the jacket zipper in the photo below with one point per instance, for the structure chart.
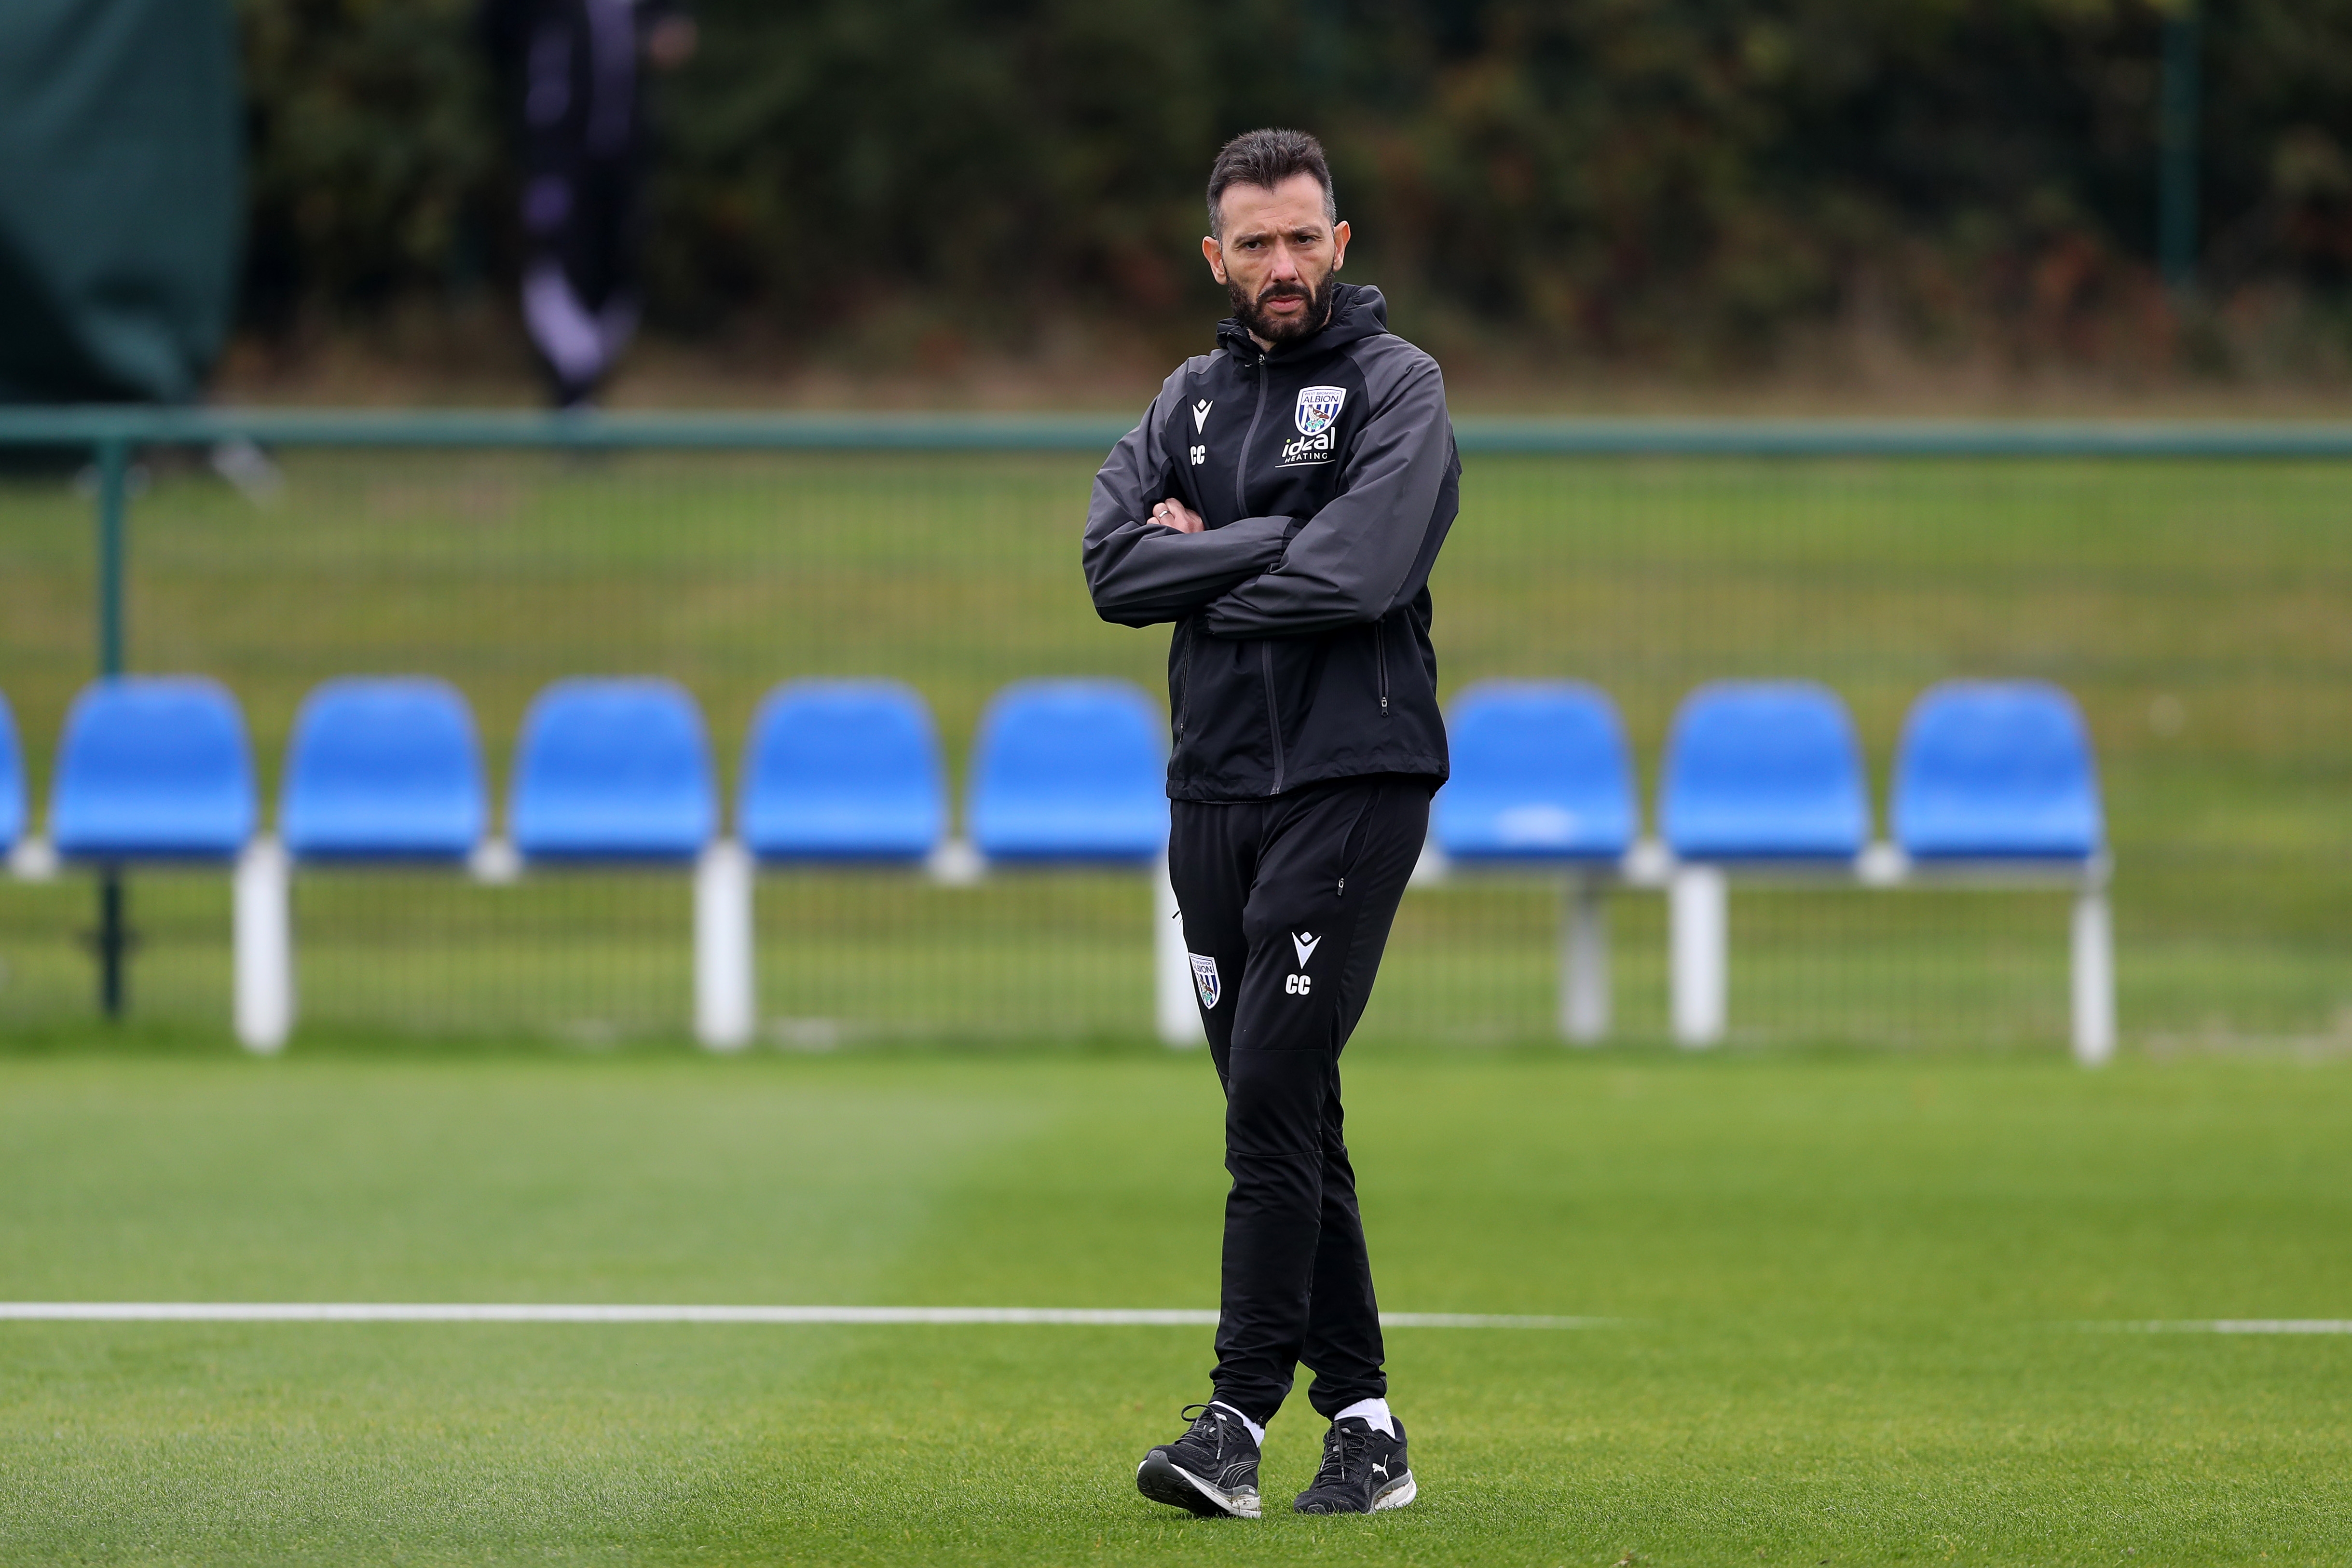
(1273, 714)
(1381, 656)
(1241, 469)
(1241, 508)
(1184, 693)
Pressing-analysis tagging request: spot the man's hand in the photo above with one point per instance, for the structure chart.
(1174, 513)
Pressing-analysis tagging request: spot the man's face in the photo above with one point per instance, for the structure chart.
(1277, 257)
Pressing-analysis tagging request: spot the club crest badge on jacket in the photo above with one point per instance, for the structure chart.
(1319, 407)
(1204, 976)
(1317, 442)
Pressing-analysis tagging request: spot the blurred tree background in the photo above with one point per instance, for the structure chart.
(1695, 181)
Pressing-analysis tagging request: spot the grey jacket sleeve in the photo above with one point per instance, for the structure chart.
(1347, 565)
(1141, 571)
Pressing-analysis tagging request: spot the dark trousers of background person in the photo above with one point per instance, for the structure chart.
(576, 64)
(580, 299)
(1293, 897)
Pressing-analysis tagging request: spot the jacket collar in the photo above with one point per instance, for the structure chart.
(1357, 311)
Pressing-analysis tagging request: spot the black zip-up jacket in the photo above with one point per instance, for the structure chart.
(1327, 477)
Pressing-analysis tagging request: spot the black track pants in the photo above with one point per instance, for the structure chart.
(1291, 900)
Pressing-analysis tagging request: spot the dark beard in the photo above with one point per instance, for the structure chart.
(1310, 321)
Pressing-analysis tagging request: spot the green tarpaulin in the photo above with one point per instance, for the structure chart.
(121, 196)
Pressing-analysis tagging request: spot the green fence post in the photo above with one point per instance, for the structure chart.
(114, 485)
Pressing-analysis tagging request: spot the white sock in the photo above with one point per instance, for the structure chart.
(1257, 1433)
(1373, 1411)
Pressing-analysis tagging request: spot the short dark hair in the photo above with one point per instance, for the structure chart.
(1266, 158)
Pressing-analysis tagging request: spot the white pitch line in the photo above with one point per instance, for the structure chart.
(531, 1313)
(2237, 1325)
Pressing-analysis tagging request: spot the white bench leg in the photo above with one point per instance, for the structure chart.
(723, 985)
(1700, 939)
(263, 936)
(2095, 979)
(1584, 964)
(1178, 1020)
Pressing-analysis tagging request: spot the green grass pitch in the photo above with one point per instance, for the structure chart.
(1849, 1281)
(1850, 1288)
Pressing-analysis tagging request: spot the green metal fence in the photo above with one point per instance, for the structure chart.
(2187, 583)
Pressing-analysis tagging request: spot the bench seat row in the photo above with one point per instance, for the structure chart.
(1994, 784)
(1757, 778)
(604, 770)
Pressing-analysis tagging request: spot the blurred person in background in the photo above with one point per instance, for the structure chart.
(1282, 503)
(570, 75)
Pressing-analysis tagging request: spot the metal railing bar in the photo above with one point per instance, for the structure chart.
(93, 426)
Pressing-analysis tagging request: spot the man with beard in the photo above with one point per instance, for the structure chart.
(1282, 504)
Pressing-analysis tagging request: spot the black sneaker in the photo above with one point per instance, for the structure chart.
(1363, 1471)
(1212, 1469)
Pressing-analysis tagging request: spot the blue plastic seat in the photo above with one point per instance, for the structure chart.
(1540, 772)
(1070, 770)
(612, 770)
(843, 770)
(152, 767)
(1996, 771)
(383, 769)
(12, 780)
(1763, 771)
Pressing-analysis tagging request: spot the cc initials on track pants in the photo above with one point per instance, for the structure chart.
(1291, 899)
